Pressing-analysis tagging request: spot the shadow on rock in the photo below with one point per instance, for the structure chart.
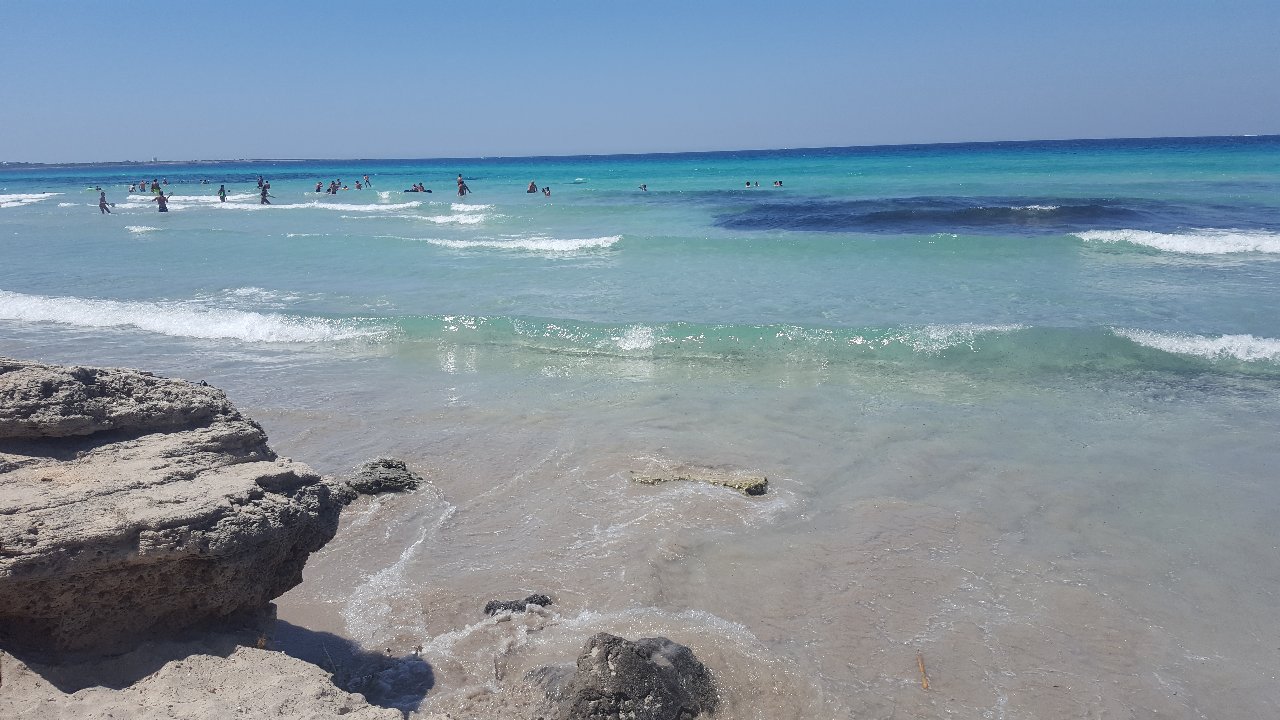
(383, 679)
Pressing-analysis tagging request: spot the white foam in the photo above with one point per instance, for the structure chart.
(1037, 208)
(69, 204)
(19, 199)
(465, 208)
(139, 229)
(933, 339)
(1198, 242)
(535, 244)
(457, 218)
(180, 319)
(1239, 347)
(637, 337)
(250, 202)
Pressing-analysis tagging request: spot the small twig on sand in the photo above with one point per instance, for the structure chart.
(924, 679)
(332, 665)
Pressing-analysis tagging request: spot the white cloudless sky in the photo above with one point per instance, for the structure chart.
(100, 81)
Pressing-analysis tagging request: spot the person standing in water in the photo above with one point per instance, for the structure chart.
(164, 201)
(264, 200)
(462, 186)
(222, 193)
(102, 203)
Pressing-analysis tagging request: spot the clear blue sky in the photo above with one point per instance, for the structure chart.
(97, 81)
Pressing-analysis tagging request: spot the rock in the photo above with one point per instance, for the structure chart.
(649, 679)
(53, 401)
(384, 474)
(744, 483)
(134, 506)
(496, 606)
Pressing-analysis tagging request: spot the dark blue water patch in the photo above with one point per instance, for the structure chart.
(1020, 216)
(927, 215)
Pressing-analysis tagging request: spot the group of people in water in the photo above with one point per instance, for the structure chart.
(337, 185)
(156, 186)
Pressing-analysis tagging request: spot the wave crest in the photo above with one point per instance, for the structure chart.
(532, 244)
(1245, 348)
(179, 319)
(1198, 242)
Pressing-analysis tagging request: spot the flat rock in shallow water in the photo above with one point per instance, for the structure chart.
(151, 517)
(742, 482)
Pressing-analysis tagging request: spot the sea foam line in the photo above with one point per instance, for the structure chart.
(183, 319)
(1198, 242)
(19, 199)
(534, 244)
(1246, 348)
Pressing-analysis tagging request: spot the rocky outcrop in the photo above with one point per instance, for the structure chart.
(745, 483)
(382, 475)
(649, 679)
(133, 505)
(496, 606)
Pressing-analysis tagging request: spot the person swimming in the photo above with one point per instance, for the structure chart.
(533, 187)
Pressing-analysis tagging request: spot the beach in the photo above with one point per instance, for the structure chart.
(1015, 403)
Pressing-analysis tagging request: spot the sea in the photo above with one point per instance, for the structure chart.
(1017, 403)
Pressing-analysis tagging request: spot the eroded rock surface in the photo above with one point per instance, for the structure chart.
(649, 679)
(133, 505)
(382, 475)
(746, 483)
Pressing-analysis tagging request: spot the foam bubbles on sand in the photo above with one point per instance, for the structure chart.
(535, 243)
(1246, 348)
(183, 319)
(19, 199)
(1198, 242)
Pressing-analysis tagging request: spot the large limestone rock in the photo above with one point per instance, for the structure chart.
(649, 679)
(133, 505)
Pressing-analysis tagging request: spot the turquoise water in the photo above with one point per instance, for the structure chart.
(1029, 386)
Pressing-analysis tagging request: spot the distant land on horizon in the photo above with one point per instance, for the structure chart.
(10, 164)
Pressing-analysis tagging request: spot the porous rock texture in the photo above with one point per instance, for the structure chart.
(382, 475)
(649, 679)
(133, 505)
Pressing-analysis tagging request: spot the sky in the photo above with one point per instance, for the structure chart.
(85, 81)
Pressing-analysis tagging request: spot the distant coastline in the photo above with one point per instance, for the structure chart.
(16, 165)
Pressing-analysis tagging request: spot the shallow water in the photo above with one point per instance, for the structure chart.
(1016, 403)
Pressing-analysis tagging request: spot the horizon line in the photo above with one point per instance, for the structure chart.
(23, 163)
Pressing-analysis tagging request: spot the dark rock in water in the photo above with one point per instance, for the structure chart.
(384, 475)
(649, 679)
(497, 606)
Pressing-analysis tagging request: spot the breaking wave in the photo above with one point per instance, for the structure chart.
(185, 319)
(19, 199)
(1198, 242)
(532, 244)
